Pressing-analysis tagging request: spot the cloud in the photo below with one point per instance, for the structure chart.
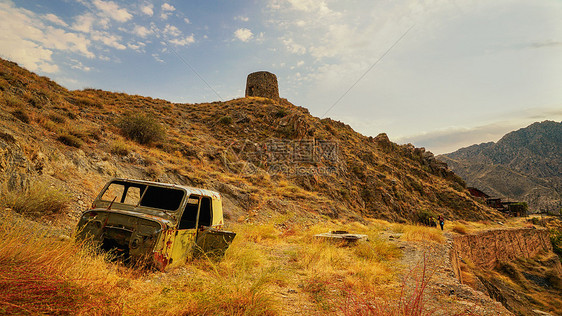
(309, 6)
(243, 34)
(186, 20)
(293, 47)
(55, 19)
(183, 41)
(148, 9)
(450, 139)
(108, 39)
(142, 31)
(157, 58)
(138, 46)
(29, 42)
(544, 44)
(84, 23)
(76, 64)
(171, 30)
(113, 10)
(61, 40)
(241, 18)
(167, 9)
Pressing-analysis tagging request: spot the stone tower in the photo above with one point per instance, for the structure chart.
(262, 84)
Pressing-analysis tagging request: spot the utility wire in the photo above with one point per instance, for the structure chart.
(192, 69)
(366, 72)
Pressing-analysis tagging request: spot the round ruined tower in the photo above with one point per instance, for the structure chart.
(262, 84)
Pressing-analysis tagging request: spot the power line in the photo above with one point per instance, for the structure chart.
(194, 71)
(366, 72)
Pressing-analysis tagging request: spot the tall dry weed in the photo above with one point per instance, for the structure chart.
(37, 199)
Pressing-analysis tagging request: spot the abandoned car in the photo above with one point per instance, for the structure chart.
(157, 223)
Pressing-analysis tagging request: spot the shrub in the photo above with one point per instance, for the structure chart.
(281, 113)
(119, 148)
(57, 118)
(37, 199)
(426, 217)
(14, 101)
(85, 101)
(556, 239)
(22, 116)
(141, 128)
(226, 120)
(70, 140)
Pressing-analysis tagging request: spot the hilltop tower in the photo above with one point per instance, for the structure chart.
(262, 84)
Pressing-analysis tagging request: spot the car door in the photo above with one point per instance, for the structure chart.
(184, 237)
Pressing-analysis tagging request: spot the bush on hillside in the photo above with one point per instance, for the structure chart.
(70, 140)
(120, 148)
(426, 217)
(556, 239)
(226, 120)
(22, 116)
(141, 128)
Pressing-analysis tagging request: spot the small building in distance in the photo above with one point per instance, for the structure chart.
(509, 208)
(477, 193)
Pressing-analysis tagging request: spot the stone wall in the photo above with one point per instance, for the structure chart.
(488, 248)
(262, 84)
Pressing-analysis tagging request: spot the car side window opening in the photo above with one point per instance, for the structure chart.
(189, 216)
(205, 213)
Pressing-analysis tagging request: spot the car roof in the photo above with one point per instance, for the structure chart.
(189, 190)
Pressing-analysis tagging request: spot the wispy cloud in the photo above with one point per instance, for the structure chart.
(241, 18)
(113, 10)
(545, 44)
(55, 19)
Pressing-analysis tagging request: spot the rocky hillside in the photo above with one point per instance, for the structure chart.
(524, 165)
(264, 156)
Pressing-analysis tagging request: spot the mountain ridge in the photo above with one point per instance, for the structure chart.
(523, 165)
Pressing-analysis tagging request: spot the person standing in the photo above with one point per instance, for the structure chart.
(441, 221)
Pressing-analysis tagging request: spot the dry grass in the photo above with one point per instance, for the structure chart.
(460, 229)
(38, 199)
(45, 274)
(422, 233)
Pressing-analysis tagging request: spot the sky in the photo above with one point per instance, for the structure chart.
(440, 74)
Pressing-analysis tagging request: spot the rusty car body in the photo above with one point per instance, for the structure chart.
(157, 223)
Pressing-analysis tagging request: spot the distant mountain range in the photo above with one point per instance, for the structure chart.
(524, 165)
